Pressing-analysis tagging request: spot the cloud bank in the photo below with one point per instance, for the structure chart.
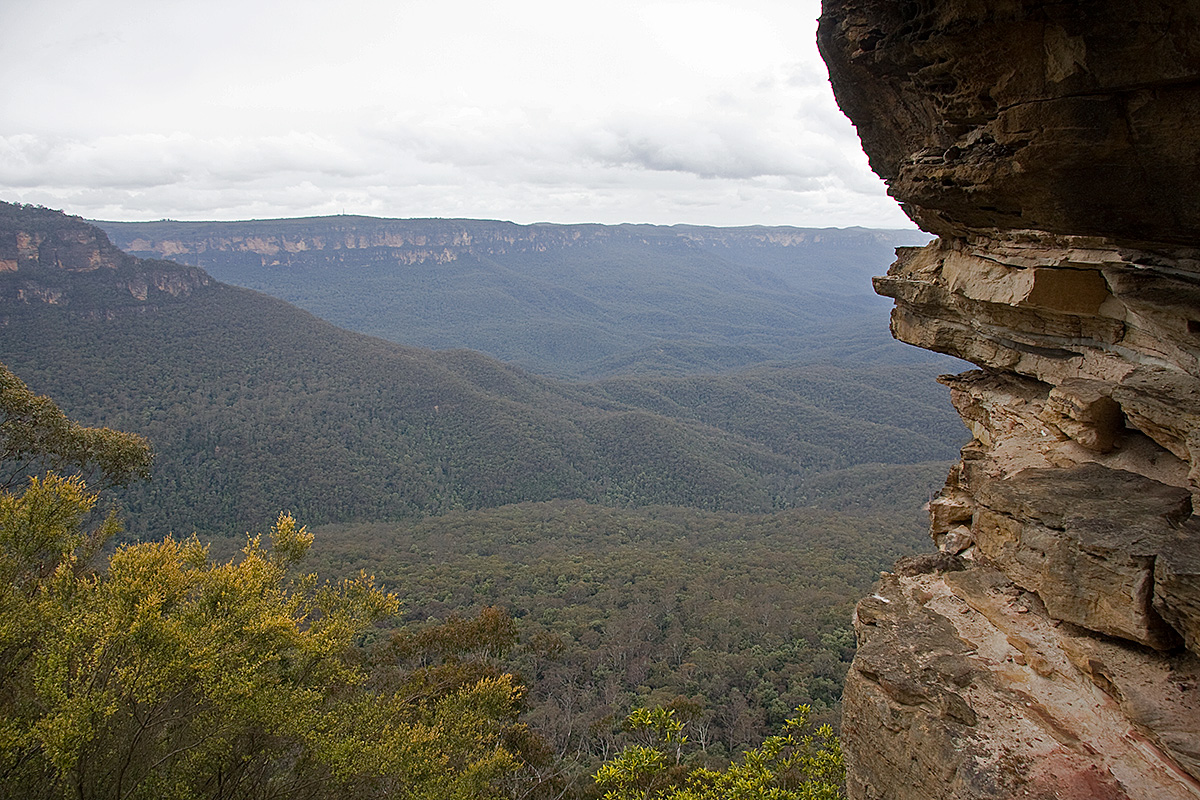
(695, 112)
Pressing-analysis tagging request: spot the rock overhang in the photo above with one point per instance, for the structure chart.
(1055, 150)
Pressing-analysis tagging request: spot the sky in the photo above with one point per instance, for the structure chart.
(701, 112)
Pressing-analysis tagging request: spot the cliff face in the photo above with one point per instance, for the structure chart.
(49, 258)
(1061, 117)
(1050, 648)
(320, 241)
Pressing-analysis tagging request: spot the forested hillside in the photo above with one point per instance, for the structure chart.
(578, 301)
(255, 406)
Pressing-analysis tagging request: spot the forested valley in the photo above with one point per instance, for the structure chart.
(685, 524)
(568, 301)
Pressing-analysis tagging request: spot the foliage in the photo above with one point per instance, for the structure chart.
(35, 436)
(791, 766)
(167, 675)
(732, 620)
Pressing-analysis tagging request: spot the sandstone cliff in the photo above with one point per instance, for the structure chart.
(1050, 648)
(47, 258)
(353, 240)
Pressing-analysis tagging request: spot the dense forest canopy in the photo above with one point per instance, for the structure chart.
(253, 406)
(736, 618)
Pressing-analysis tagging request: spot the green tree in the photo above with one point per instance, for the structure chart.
(792, 766)
(35, 436)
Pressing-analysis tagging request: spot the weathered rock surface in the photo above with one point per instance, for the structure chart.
(1091, 560)
(80, 270)
(966, 687)
(1054, 149)
(1026, 114)
(48, 246)
(1177, 584)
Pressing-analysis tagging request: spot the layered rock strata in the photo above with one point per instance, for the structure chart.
(1052, 647)
(359, 241)
(46, 260)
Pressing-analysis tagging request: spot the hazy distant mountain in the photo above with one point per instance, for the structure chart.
(578, 301)
(255, 406)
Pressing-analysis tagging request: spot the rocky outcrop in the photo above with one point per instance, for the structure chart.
(1026, 114)
(965, 686)
(1053, 648)
(40, 237)
(47, 257)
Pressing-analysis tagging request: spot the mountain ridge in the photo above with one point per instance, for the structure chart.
(570, 301)
(256, 406)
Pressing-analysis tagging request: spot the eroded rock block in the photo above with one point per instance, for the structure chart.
(957, 540)
(963, 687)
(1086, 540)
(1085, 411)
(1177, 586)
(949, 510)
(1164, 404)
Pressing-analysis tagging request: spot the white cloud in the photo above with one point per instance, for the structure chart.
(709, 112)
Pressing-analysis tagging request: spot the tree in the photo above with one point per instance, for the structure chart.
(35, 436)
(791, 766)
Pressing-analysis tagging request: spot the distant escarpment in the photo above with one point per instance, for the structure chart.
(1050, 649)
(281, 242)
(574, 301)
(46, 259)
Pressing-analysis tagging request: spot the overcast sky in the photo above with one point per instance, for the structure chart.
(715, 113)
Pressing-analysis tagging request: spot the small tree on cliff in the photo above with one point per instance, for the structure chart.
(36, 437)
